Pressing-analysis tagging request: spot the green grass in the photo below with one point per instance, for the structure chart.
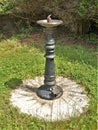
(21, 61)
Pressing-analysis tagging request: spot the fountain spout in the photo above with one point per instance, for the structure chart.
(49, 18)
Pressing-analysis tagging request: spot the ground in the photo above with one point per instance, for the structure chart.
(22, 57)
(60, 36)
(37, 35)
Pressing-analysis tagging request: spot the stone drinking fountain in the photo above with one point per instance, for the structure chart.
(37, 99)
(49, 90)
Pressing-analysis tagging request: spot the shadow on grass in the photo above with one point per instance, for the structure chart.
(12, 83)
(15, 82)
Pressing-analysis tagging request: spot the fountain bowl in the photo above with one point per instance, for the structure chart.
(51, 24)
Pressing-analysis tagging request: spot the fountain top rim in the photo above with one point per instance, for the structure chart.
(53, 23)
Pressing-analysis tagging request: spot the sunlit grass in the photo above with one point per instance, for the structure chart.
(21, 61)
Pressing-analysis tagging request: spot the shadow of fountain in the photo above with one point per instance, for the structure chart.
(18, 83)
(12, 83)
(29, 88)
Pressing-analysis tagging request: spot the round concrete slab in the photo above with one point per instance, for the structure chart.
(71, 103)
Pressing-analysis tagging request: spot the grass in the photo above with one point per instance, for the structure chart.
(21, 61)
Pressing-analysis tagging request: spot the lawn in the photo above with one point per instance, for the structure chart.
(20, 61)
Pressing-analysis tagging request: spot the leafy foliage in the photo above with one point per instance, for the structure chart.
(87, 9)
(74, 13)
(7, 5)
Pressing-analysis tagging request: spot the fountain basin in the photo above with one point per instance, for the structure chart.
(51, 24)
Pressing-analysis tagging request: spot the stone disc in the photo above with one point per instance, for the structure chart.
(70, 104)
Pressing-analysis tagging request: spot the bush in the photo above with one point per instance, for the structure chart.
(77, 15)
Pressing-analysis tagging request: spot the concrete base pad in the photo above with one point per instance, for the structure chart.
(71, 103)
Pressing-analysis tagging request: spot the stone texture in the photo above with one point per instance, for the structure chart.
(71, 103)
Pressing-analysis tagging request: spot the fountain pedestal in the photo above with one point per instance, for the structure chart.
(49, 90)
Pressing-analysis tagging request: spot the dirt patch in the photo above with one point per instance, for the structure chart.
(60, 37)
